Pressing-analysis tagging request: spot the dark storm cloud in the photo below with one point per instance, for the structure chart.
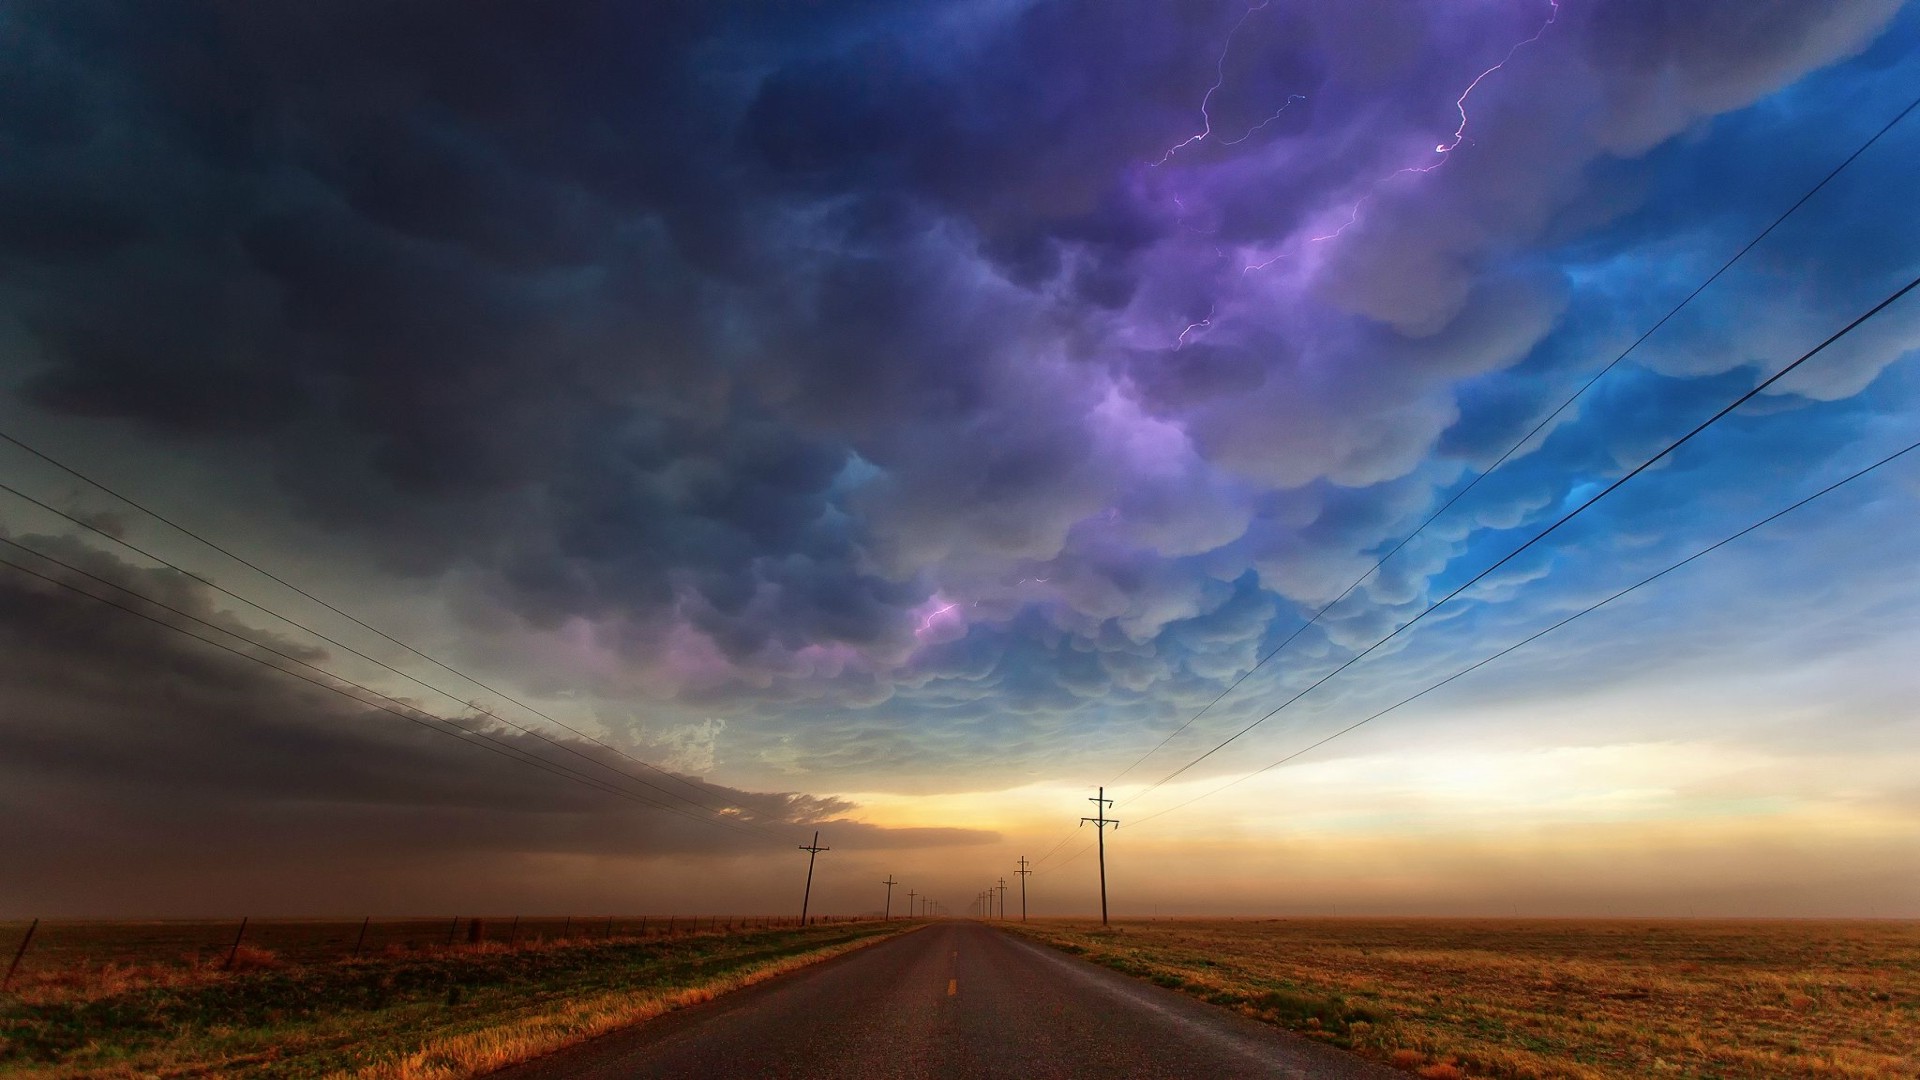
(137, 758)
(822, 360)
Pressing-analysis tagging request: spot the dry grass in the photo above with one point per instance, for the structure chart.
(436, 1013)
(1552, 999)
(524, 1038)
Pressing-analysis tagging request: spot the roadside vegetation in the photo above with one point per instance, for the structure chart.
(1552, 999)
(401, 1014)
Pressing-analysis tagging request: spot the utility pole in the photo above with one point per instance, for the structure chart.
(1100, 822)
(813, 851)
(887, 913)
(1023, 872)
(1003, 899)
(911, 910)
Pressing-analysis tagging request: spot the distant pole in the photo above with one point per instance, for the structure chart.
(813, 851)
(235, 951)
(362, 939)
(911, 910)
(1023, 872)
(1003, 899)
(18, 953)
(887, 912)
(1100, 822)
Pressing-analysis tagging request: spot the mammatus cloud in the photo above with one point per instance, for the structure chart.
(824, 371)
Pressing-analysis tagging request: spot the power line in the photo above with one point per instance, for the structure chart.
(1549, 530)
(290, 621)
(395, 707)
(271, 576)
(1528, 437)
(1588, 610)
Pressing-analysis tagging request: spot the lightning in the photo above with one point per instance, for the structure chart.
(1219, 80)
(1460, 103)
(1203, 323)
(926, 624)
(1441, 151)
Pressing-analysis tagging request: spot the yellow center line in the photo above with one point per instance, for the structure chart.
(953, 987)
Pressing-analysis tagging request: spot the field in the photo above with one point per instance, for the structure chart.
(145, 999)
(1550, 999)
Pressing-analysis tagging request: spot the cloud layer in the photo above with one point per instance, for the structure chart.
(884, 387)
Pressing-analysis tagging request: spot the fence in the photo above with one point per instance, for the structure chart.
(48, 945)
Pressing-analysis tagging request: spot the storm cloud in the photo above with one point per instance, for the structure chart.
(877, 389)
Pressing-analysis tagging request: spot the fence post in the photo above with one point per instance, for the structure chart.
(235, 950)
(18, 953)
(643, 926)
(566, 926)
(362, 939)
(513, 932)
(455, 925)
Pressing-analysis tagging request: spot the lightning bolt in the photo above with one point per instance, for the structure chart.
(1441, 150)
(1202, 324)
(1219, 80)
(926, 624)
(1249, 133)
(1460, 103)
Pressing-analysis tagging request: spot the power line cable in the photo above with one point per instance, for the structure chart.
(1549, 530)
(1588, 610)
(536, 733)
(1528, 437)
(269, 575)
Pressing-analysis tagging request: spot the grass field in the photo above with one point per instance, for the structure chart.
(125, 1000)
(62, 950)
(1540, 999)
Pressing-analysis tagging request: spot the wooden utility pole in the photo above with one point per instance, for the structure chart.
(1003, 899)
(18, 953)
(1100, 822)
(911, 910)
(1023, 872)
(887, 912)
(813, 851)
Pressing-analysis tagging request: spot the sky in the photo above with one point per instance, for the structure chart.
(898, 420)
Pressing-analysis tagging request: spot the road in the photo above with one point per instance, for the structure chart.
(957, 1001)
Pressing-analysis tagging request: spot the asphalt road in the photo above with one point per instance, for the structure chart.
(955, 1000)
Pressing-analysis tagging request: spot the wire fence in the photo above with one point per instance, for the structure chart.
(64, 945)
